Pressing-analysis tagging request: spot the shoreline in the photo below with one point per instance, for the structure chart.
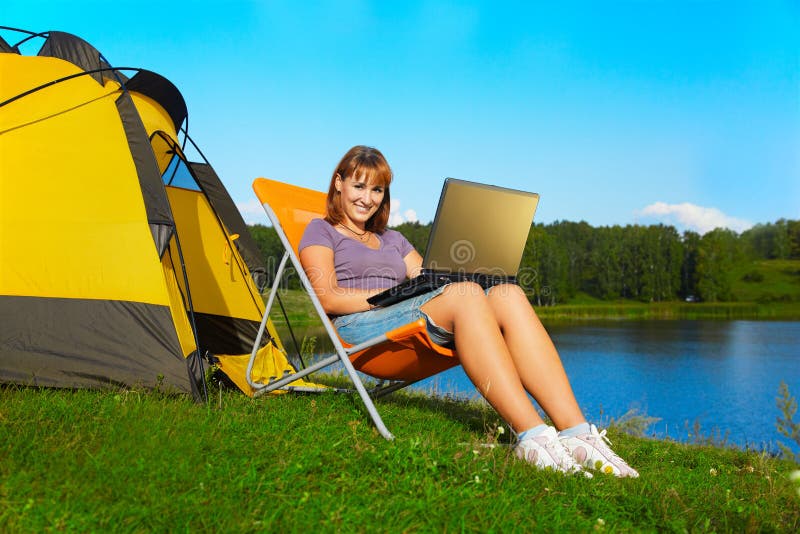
(301, 312)
(788, 311)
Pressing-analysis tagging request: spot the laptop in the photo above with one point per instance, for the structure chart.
(478, 234)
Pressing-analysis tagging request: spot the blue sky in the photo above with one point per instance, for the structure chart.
(615, 112)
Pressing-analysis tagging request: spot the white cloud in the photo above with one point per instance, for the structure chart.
(252, 212)
(395, 217)
(693, 217)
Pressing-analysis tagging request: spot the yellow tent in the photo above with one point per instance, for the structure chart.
(121, 262)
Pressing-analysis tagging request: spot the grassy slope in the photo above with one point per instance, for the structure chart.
(779, 281)
(297, 305)
(775, 295)
(131, 462)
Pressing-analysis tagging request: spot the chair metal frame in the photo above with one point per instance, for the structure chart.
(343, 353)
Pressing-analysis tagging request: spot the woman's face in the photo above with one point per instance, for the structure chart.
(360, 200)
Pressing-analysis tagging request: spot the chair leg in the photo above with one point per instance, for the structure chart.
(381, 391)
(341, 356)
(362, 392)
(262, 327)
(260, 389)
(354, 378)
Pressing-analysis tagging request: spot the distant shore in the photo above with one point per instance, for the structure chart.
(782, 311)
(300, 310)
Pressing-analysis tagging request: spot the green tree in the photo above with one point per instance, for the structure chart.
(544, 271)
(666, 256)
(272, 251)
(539, 274)
(608, 263)
(716, 256)
(575, 242)
(646, 263)
(768, 241)
(637, 261)
(416, 233)
(268, 243)
(691, 245)
(793, 231)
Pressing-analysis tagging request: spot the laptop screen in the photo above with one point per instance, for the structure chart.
(480, 228)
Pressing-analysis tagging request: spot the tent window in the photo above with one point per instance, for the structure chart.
(175, 171)
(178, 175)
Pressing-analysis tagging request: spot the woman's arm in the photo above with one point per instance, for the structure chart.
(317, 262)
(413, 263)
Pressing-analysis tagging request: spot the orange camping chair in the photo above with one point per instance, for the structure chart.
(402, 356)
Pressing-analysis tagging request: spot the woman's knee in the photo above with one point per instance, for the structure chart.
(509, 298)
(459, 290)
(459, 297)
(457, 300)
(508, 292)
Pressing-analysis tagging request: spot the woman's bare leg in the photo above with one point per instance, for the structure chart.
(534, 355)
(464, 309)
(505, 351)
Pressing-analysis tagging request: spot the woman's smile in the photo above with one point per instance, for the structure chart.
(360, 200)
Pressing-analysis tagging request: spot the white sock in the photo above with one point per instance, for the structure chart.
(532, 432)
(576, 430)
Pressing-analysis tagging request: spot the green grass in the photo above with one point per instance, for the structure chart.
(764, 289)
(128, 461)
(767, 281)
(298, 308)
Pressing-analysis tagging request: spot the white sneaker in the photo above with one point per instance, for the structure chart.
(592, 450)
(546, 451)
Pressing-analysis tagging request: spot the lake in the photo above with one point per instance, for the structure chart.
(722, 375)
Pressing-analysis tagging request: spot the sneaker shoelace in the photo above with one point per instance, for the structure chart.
(565, 459)
(602, 442)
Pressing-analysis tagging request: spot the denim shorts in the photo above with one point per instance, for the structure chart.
(358, 327)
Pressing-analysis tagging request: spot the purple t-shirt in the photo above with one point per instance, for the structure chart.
(358, 266)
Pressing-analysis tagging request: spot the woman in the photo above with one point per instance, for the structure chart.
(500, 342)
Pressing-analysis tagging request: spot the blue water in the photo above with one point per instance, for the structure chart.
(722, 375)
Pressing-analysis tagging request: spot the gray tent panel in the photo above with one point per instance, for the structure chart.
(89, 343)
(77, 51)
(5, 47)
(162, 91)
(159, 213)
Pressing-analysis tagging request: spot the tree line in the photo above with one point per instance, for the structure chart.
(644, 263)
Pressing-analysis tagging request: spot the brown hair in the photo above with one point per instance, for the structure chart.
(369, 163)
